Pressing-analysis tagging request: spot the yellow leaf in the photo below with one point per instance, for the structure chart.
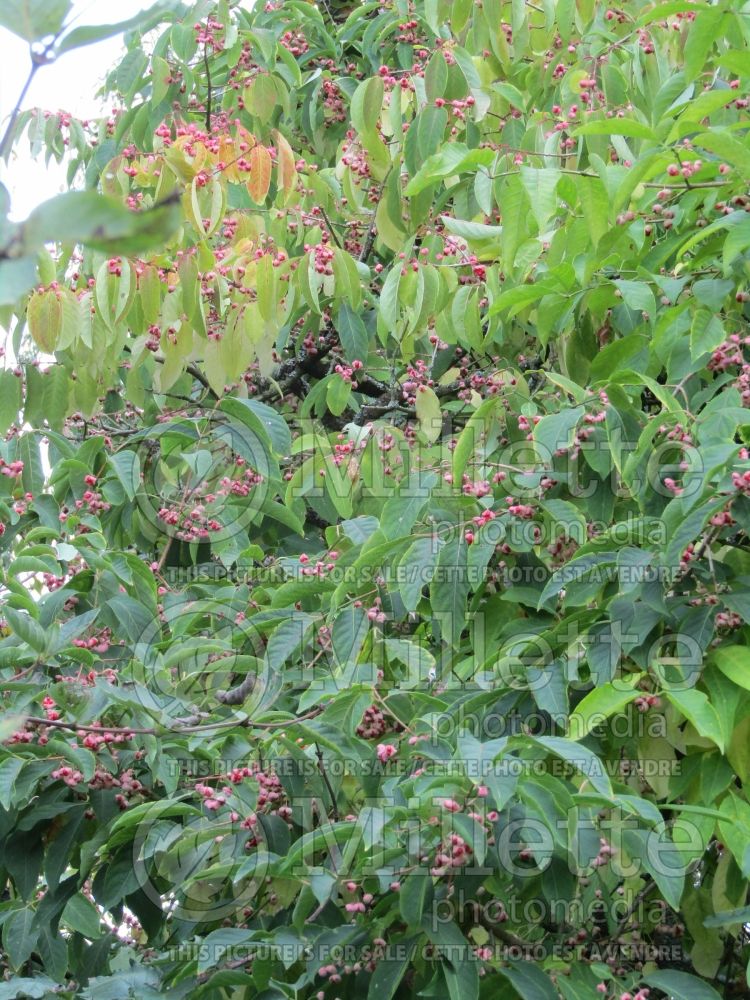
(260, 174)
(228, 156)
(285, 163)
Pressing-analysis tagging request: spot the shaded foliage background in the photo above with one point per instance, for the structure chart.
(374, 506)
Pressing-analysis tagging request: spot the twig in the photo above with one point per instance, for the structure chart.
(649, 887)
(4, 143)
(369, 241)
(208, 86)
(287, 722)
(200, 377)
(59, 724)
(162, 730)
(326, 779)
(191, 370)
(331, 230)
(708, 538)
(37, 60)
(370, 237)
(317, 911)
(164, 553)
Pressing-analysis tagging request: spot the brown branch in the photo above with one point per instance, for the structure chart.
(59, 724)
(191, 370)
(369, 241)
(331, 230)
(649, 887)
(236, 695)
(162, 730)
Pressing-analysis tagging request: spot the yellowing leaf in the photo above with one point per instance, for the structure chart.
(228, 156)
(260, 174)
(265, 287)
(160, 75)
(285, 163)
(149, 292)
(260, 97)
(45, 318)
(428, 413)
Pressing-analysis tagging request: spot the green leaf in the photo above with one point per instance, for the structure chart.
(389, 972)
(450, 587)
(389, 304)
(459, 965)
(541, 187)
(81, 915)
(700, 40)
(90, 33)
(616, 126)
(556, 431)
(454, 158)
(354, 337)
(600, 703)
(338, 394)
(367, 103)
(734, 663)
(19, 936)
(260, 97)
(416, 569)
(595, 204)
(727, 147)
(416, 892)
(349, 631)
(100, 222)
(429, 413)
(160, 74)
(17, 276)
(44, 316)
(697, 709)
(33, 20)
(10, 399)
(471, 230)
(461, 977)
(472, 437)
(681, 985)
(565, 515)
(706, 333)
(637, 295)
(582, 759)
(26, 628)
(262, 419)
(20, 986)
(127, 467)
(135, 620)
(401, 511)
(436, 76)
(9, 770)
(529, 981)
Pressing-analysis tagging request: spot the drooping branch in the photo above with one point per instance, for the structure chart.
(236, 695)
(166, 730)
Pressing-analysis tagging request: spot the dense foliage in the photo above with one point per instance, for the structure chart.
(375, 506)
